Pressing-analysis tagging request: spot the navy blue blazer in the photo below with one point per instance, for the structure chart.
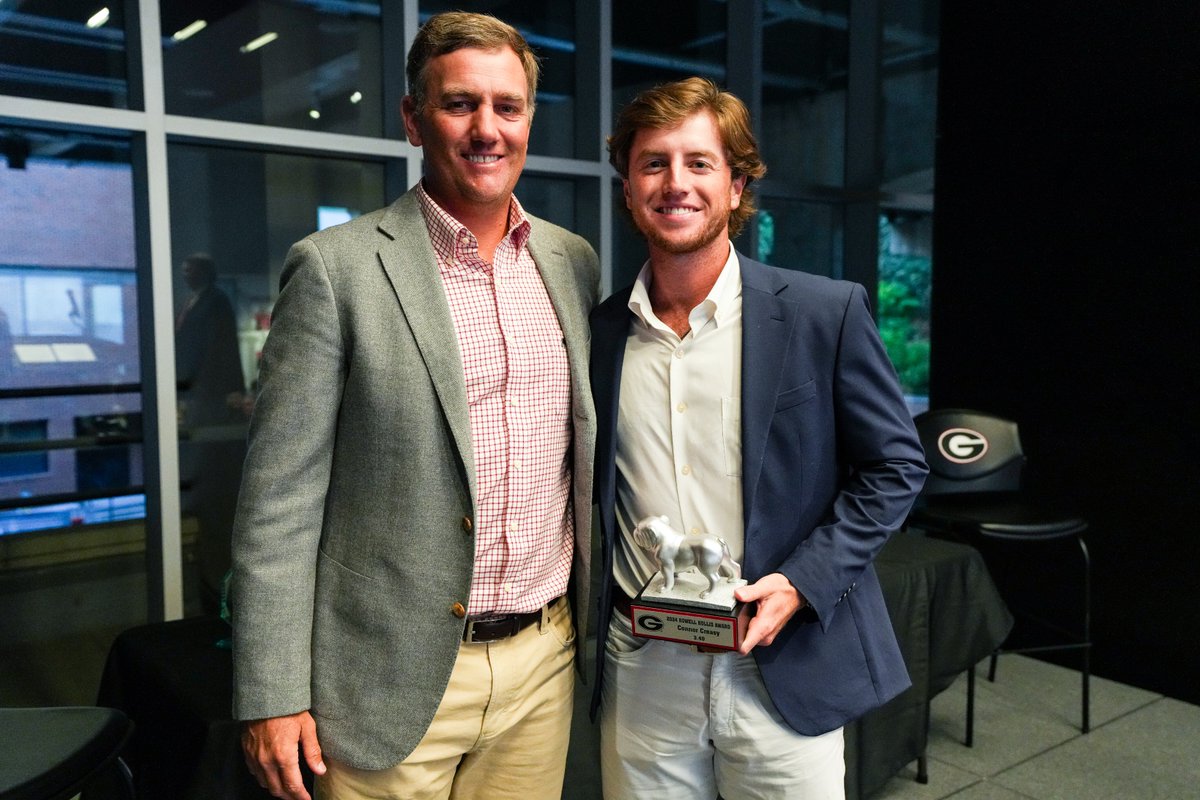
(831, 464)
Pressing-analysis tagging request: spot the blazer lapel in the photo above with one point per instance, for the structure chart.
(411, 266)
(610, 331)
(767, 322)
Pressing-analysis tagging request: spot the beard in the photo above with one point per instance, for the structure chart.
(714, 228)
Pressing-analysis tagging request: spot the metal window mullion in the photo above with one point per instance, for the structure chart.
(164, 546)
(604, 70)
(744, 75)
(412, 21)
(863, 154)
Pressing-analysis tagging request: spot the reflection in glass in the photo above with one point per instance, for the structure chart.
(549, 27)
(69, 52)
(314, 66)
(234, 215)
(909, 77)
(800, 235)
(68, 332)
(805, 51)
(664, 41)
(71, 457)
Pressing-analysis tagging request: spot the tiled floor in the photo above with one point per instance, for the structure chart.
(1028, 746)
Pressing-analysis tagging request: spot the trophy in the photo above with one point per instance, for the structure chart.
(690, 599)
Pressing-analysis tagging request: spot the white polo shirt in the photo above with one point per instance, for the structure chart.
(679, 437)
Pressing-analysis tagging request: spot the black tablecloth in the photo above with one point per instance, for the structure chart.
(174, 681)
(947, 615)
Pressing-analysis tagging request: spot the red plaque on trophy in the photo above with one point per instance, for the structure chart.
(690, 599)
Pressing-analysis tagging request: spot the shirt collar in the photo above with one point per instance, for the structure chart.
(453, 241)
(716, 305)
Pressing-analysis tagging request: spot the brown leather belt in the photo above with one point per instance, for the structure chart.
(493, 629)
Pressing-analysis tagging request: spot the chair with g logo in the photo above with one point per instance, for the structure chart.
(975, 494)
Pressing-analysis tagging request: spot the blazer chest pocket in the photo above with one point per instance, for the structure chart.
(796, 395)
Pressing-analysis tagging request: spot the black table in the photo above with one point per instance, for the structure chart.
(174, 681)
(947, 615)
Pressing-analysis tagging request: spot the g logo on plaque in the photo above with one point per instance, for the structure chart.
(690, 599)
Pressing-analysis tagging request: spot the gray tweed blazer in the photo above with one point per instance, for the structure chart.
(351, 544)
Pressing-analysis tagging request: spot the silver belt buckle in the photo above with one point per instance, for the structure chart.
(469, 634)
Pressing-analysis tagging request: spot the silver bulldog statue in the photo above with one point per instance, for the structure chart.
(677, 552)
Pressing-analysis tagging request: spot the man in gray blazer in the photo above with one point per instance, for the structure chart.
(416, 499)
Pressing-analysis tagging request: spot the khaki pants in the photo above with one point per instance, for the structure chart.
(500, 732)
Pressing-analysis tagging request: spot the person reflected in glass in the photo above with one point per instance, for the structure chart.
(208, 372)
(413, 529)
(208, 368)
(758, 405)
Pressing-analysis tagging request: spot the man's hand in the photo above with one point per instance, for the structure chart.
(777, 601)
(272, 748)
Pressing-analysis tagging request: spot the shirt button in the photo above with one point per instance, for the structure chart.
(681, 407)
(467, 525)
(679, 352)
(686, 470)
(458, 610)
(695, 531)
(505, 588)
(517, 464)
(512, 526)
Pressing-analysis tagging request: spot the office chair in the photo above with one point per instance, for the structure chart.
(974, 494)
(56, 753)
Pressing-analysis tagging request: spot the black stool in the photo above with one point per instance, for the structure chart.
(55, 753)
(975, 493)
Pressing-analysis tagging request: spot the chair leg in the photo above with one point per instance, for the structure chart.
(992, 666)
(922, 768)
(1087, 671)
(126, 778)
(970, 740)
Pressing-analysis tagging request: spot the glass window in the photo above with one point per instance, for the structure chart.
(68, 320)
(69, 52)
(549, 27)
(629, 246)
(314, 66)
(905, 251)
(803, 118)
(234, 214)
(909, 77)
(568, 202)
(72, 540)
(800, 235)
(664, 41)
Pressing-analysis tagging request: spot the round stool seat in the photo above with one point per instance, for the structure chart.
(54, 752)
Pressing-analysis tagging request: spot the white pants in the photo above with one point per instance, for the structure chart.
(676, 724)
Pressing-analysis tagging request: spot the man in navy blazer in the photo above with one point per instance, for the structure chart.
(757, 404)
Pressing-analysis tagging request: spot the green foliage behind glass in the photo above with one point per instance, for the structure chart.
(903, 305)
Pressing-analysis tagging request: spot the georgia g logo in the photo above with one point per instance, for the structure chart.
(962, 445)
(650, 622)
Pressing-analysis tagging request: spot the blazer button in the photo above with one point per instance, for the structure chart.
(467, 525)
(458, 610)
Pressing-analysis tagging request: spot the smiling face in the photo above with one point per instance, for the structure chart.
(680, 188)
(474, 129)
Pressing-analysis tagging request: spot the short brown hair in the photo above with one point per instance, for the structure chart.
(453, 30)
(668, 105)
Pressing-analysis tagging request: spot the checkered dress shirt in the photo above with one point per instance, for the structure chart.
(519, 397)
